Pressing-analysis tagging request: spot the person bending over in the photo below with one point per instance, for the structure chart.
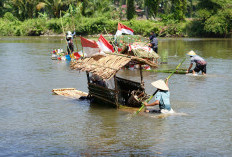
(200, 63)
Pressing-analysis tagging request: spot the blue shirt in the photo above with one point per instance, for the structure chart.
(164, 101)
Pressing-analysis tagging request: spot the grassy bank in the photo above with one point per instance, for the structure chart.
(10, 26)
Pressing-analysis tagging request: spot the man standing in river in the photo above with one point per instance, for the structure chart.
(69, 38)
(200, 63)
(153, 42)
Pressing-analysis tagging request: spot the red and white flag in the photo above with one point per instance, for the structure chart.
(104, 45)
(124, 29)
(90, 47)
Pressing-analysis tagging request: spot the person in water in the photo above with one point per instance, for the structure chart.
(153, 42)
(200, 63)
(69, 38)
(162, 98)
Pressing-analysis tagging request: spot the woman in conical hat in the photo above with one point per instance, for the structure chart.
(162, 98)
(200, 63)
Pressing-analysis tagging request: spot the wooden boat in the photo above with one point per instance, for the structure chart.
(179, 71)
(122, 91)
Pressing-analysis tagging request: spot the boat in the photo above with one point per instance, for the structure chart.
(105, 87)
(178, 71)
(59, 54)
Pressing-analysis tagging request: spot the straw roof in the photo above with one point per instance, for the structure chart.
(107, 66)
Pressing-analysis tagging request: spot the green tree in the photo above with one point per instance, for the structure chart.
(151, 7)
(54, 7)
(130, 9)
(179, 9)
(215, 16)
(23, 9)
(96, 7)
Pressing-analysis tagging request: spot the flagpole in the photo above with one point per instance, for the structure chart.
(111, 41)
(83, 56)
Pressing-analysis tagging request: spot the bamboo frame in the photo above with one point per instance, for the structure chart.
(116, 91)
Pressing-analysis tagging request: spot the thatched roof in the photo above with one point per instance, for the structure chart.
(107, 66)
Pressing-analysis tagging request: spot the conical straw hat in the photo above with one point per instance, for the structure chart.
(69, 36)
(191, 53)
(160, 84)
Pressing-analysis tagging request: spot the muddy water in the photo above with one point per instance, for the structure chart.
(33, 122)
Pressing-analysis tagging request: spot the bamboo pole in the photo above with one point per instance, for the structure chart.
(88, 79)
(141, 74)
(158, 89)
(74, 29)
(112, 41)
(64, 31)
(116, 91)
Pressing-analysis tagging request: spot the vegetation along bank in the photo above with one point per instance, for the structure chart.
(179, 18)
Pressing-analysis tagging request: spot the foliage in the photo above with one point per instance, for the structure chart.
(152, 7)
(179, 9)
(215, 17)
(211, 18)
(23, 9)
(130, 9)
(10, 17)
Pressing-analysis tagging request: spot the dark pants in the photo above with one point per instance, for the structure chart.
(155, 49)
(200, 67)
(70, 48)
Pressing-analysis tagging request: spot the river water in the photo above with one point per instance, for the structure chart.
(33, 122)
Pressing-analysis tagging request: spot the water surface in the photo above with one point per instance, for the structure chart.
(33, 122)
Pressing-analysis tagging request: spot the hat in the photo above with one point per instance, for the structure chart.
(69, 33)
(160, 84)
(191, 53)
(69, 36)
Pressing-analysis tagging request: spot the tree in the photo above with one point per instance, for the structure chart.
(54, 7)
(215, 15)
(179, 9)
(23, 9)
(151, 7)
(130, 9)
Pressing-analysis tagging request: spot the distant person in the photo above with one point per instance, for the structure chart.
(153, 42)
(200, 63)
(69, 38)
(162, 98)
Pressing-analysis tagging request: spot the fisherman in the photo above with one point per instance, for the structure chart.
(69, 38)
(153, 42)
(162, 98)
(200, 63)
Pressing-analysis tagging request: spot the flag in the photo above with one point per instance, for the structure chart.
(104, 45)
(90, 47)
(124, 29)
(130, 49)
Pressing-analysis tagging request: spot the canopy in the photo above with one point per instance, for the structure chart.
(107, 66)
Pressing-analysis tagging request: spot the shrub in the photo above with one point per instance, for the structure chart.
(10, 17)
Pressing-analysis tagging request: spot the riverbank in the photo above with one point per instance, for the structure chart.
(92, 26)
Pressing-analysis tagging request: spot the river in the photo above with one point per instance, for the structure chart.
(33, 122)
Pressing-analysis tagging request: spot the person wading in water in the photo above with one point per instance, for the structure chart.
(153, 42)
(162, 98)
(200, 63)
(69, 38)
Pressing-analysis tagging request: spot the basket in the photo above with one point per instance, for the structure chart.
(136, 98)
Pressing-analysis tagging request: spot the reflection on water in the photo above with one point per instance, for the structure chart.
(33, 122)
